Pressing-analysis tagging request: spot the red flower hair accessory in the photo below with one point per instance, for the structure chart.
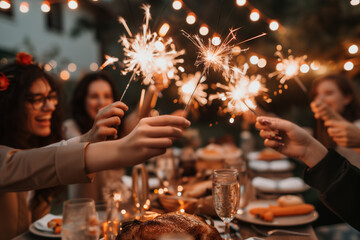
(4, 82)
(24, 58)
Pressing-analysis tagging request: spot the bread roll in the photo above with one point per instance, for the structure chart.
(289, 200)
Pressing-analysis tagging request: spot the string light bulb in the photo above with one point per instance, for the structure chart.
(262, 63)
(45, 6)
(216, 40)
(304, 68)
(164, 29)
(204, 30)
(73, 4)
(240, 2)
(354, 2)
(191, 18)
(274, 25)
(353, 49)
(348, 66)
(5, 4)
(254, 59)
(177, 4)
(315, 65)
(24, 7)
(254, 15)
(64, 75)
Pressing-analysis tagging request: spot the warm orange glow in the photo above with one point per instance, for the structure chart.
(73, 4)
(5, 4)
(204, 30)
(274, 25)
(348, 66)
(353, 49)
(191, 18)
(177, 4)
(45, 6)
(304, 68)
(254, 15)
(240, 2)
(64, 75)
(24, 7)
(254, 59)
(164, 29)
(216, 40)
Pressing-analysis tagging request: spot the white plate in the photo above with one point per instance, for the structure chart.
(278, 221)
(277, 189)
(33, 230)
(271, 166)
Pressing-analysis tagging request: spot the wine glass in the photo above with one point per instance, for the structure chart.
(79, 220)
(226, 193)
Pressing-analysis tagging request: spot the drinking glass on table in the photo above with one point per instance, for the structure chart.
(226, 193)
(79, 220)
(245, 184)
(140, 190)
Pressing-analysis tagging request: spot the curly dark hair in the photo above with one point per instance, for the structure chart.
(351, 111)
(13, 115)
(78, 109)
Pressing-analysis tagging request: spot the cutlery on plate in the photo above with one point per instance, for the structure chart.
(271, 232)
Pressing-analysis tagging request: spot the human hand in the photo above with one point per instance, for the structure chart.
(344, 133)
(290, 139)
(151, 137)
(106, 121)
(323, 111)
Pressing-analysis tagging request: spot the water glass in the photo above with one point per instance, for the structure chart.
(226, 193)
(79, 220)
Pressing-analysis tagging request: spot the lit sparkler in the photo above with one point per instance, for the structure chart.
(241, 91)
(146, 52)
(217, 57)
(289, 68)
(188, 84)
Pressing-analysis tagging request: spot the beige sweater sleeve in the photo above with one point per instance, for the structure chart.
(23, 170)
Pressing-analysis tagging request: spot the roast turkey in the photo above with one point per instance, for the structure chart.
(169, 223)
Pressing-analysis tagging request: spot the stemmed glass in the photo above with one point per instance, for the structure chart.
(79, 220)
(140, 190)
(226, 193)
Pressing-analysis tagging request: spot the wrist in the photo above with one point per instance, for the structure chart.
(314, 153)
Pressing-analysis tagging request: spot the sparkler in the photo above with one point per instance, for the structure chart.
(146, 52)
(188, 84)
(217, 57)
(241, 91)
(288, 68)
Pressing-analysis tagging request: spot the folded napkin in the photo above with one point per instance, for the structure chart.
(153, 182)
(41, 224)
(287, 184)
(278, 165)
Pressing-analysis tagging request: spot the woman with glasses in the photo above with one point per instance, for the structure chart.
(30, 119)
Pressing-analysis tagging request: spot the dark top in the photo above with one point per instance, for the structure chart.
(338, 183)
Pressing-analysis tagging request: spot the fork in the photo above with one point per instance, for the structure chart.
(271, 232)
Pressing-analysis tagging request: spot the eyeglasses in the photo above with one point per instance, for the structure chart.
(38, 101)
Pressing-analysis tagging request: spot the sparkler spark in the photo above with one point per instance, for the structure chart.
(240, 93)
(109, 60)
(289, 68)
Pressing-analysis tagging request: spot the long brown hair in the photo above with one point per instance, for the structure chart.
(13, 115)
(351, 111)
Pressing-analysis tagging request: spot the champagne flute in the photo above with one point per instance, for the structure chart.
(79, 220)
(226, 193)
(140, 190)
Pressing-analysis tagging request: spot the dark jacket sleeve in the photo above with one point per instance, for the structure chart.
(338, 183)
